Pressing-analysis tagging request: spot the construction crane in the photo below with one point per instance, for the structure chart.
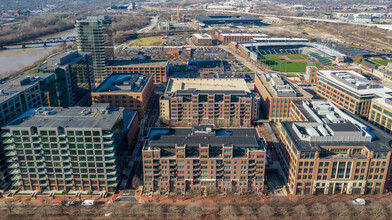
(178, 13)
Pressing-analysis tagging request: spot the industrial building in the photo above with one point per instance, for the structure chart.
(69, 149)
(202, 39)
(229, 19)
(131, 91)
(222, 102)
(349, 90)
(227, 37)
(95, 36)
(328, 151)
(159, 68)
(276, 95)
(74, 76)
(204, 159)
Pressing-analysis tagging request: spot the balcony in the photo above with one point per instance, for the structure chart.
(42, 172)
(196, 168)
(109, 135)
(8, 141)
(42, 178)
(196, 164)
(173, 169)
(110, 154)
(219, 168)
(112, 178)
(15, 172)
(41, 166)
(10, 154)
(108, 142)
(110, 160)
(111, 173)
(108, 148)
(9, 147)
(219, 174)
(16, 178)
(69, 178)
(157, 174)
(251, 168)
(14, 166)
(6, 134)
(16, 184)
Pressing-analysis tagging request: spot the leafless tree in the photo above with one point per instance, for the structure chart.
(10, 206)
(229, 211)
(377, 211)
(173, 212)
(193, 210)
(300, 210)
(266, 211)
(319, 210)
(339, 210)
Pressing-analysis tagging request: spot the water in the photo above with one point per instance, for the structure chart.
(14, 58)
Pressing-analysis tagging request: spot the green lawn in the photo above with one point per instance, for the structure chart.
(148, 41)
(297, 57)
(280, 65)
(380, 62)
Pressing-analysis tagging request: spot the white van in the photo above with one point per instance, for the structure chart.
(88, 203)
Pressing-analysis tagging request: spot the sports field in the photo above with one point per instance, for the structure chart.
(380, 62)
(286, 63)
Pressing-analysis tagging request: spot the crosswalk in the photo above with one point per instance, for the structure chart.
(139, 158)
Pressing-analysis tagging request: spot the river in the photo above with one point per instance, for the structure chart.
(14, 58)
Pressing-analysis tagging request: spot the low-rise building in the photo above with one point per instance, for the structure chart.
(276, 95)
(61, 149)
(222, 102)
(131, 91)
(237, 36)
(202, 39)
(349, 90)
(204, 159)
(159, 68)
(328, 151)
(206, 65)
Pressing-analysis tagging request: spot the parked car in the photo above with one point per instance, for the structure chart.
(88, 203)
(359, 201)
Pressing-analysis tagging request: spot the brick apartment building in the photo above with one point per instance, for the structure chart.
(223, 102)
(276, 95)
(131, 91)
(203, 159)
(237, 36)
(159, 68)
(328, 151)
(349, 90)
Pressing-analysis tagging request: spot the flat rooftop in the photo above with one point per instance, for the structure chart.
(278, 87)
(198, 84)
(10, 87)
(204, 135)
(320, 110)
(354, 82)
(96, 116)
(202, 36)
(60, 60)
(121, 83)
(138, 63)
(356, 132)
(94, 18)
(227, 18)
(245, 34)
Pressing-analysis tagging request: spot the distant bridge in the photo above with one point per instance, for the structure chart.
(42, 42)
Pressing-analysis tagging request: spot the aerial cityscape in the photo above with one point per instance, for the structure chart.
(196, 109)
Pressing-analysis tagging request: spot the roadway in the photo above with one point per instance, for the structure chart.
(149, 27)
(246, 63)
(275, 184)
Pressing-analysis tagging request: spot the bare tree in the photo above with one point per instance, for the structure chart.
(10, 206)
(173, 212)
(377, 211)
(339, 210)
(229, 211)
(319, 210)
(300, 210)
(266, 211)
(194, 210)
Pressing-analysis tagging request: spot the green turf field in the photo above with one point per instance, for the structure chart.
(280, 65)
(297, 57)
(380, 62)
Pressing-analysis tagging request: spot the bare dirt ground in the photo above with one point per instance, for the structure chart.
(284, 57)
